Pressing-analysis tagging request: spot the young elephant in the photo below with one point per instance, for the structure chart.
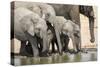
(26, 25)
(72, 30)
(69, 28)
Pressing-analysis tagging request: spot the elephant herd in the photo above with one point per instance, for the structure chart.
(40, 26)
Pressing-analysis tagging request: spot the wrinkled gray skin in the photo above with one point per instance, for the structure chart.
(45, 11)
(27, 24)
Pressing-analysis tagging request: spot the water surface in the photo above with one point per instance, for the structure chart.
(55, 58)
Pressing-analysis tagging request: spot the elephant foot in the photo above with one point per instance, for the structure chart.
(73, 52)
(66, 50)
(25, 54)
(54, 51)
(92, 40)
(43, 54)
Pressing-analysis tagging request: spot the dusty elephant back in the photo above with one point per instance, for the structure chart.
(39, 8)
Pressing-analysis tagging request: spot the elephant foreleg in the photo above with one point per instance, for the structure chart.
(66, 42)
(77, 42)
(74, 43)
(45, 46)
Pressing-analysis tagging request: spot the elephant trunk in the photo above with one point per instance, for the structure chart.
(45, 41)
(91, 27)
(58, 38)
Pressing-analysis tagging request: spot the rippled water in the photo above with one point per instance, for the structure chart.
(55, 58)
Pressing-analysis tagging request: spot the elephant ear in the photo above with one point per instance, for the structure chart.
(31, 30)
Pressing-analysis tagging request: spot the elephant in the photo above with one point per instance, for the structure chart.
(25, 26)
(69, 29)
(45, 10)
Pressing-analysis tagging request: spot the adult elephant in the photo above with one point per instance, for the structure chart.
(25, 25)
(45, 11)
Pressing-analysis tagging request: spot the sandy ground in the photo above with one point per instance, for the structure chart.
(85, 35)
